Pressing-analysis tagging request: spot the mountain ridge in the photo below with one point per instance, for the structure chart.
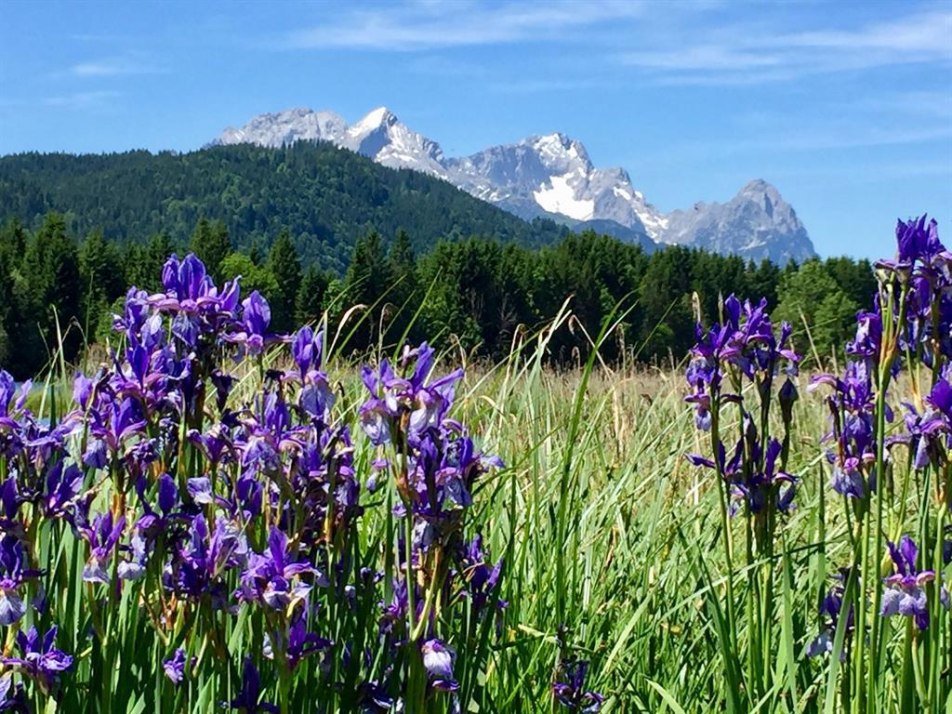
(552, 176)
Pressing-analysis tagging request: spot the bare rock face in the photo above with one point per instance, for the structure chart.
(552, 176)
(756, 224)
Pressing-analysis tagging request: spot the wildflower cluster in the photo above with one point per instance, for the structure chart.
(734, 374)
(729, 361)
(902, 346)
(435, 466)
(211, 483)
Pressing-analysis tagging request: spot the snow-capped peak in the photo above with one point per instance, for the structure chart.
(558, 148)
(550, 175)
(374, 120)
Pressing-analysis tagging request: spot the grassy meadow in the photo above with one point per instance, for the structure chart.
(609, 533)
(205, 515)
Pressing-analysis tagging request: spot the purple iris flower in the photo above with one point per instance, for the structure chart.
(298, 644)
(481, 579)
(395, 612)
(852, 406)
(274, 576)
(830, 612)
(175, 666)
(248, 700)
(201, 314)
(153, 522)
(215, 443)
(12, 575)
(7, 390)
(918, 240)
(253, 333)
(133, 567)
(82, 390)
(307, 349)
(905, 594)
(39, 659)
(744, 345)
(203, 558)
(135, 312)
(200, 489)
(112, 427)
(753, 473)
(12, 696)
(438, 661)
(317, 397)
(14, 418)
(924, 267)
(223, 384)
(187, 280)
(10, 500)
(63, 486)
(569, 689)
(103, 537)
(392, 396)
(869, 336)
(929, 435)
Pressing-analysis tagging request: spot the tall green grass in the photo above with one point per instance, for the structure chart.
(611, 545)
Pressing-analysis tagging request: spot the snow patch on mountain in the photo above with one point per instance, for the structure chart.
(551, 176)
(559, 197)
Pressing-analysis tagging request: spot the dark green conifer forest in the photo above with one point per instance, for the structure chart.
(318, 229)
(480, 294)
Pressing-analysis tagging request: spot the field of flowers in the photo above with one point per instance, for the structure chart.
(220, 518)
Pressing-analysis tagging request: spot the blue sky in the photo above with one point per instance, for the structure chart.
(845, 106)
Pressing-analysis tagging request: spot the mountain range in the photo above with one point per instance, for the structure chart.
(552, 176)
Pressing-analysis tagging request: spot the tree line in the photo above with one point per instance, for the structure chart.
(327, 197)
(477, 294)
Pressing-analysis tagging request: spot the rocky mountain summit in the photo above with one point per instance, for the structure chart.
(552, 176)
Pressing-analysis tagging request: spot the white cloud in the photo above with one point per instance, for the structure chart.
(433, 25)
(532, 86)
(734, 55)
(112, 67)
(927, 34)
(81, 100)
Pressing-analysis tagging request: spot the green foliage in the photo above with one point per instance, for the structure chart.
(665, 298)
(367, 281)
(51, 289)
(476, 294)
(309, 303)
(253, 277)
(326, 197)
(103, 277)
(819, 308)
(210, 242)
(404, 294)
(285, 265)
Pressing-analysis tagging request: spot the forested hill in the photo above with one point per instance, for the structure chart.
(326, 197)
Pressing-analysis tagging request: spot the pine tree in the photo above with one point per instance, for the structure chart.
(665, 298)
(309, 302)
(52, 286)
(285, 266)
(210, 242)
(156, 252)
(368, 279)
(402, 266)
(102, 278)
